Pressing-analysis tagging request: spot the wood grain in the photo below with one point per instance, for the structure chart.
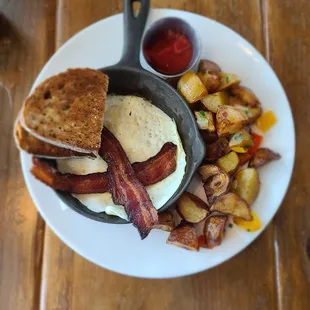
(70, 282)
(289, 26)
(21, 229)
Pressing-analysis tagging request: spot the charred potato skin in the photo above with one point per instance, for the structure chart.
(191, 208)
(166, 221)
(214, 230)
(217, 149)
(207, 65)
(246, 95)
(229, 120)
(216, 182)
(184, 236)
(232, 204)
(210, 80)
(247, 184)
(262, 157)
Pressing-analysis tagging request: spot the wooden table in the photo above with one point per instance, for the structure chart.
(37, 271)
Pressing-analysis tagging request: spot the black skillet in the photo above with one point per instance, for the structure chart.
(127, 78)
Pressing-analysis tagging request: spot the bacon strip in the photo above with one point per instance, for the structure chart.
(148, 172)
(125, 187)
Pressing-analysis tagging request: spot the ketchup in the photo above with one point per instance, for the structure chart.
(169, 52)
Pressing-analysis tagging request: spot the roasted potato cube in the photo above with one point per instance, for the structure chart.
(205, 120)
(229, 120)
(217, 149)
(247, 184)
(250, 226)
(252, 113)
(191, 87)
(184, 236)
(210, 80)
(262, 157)
(207, 65)
(246, 95)
(216, 186)
(234, 205)
(241, 139)
(191, 208)
(229, 163)
(213, 101)
(165, 221)
(228, 80)
(214, 230)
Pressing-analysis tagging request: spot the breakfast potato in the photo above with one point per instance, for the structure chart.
(210, 80)
(205, 120)
(217, 149)
(228, 80)
(207, 65)
(253, 113)
(229, 120)
(250, 226)
(166, 221)
(191, 87)
(184, 236)
(242, 139)
(207, 171)
(216, 181)
(209, 137)
(191, 208)
(232, 204)
(262, 157)
(247, 184)
(246, 95)
(213, 101)
(214, 230)
(229, 163)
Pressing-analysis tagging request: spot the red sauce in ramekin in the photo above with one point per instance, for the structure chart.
(169, 52)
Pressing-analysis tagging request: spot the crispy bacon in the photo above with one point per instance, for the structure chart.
(125, 187)
(148, 172)
(46, 171)
(157, 167)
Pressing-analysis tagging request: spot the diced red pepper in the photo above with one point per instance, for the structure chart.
(245, 157)
(257, 139)
(202, 242)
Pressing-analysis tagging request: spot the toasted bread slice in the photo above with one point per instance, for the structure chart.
(30, 144)
(67, 110)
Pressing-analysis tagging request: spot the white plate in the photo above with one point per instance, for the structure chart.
(118, 247)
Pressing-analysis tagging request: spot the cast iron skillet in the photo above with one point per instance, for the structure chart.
(128, 78)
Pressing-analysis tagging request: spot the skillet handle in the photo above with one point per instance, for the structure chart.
(133, 31)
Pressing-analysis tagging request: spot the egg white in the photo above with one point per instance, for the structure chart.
(142, 129)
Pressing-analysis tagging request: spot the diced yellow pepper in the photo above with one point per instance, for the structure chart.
(253, 225)
(239, 149)
(266, 121)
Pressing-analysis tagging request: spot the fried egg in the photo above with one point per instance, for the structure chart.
(142, 129)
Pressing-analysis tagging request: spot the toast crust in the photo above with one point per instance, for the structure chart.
(30, 144)
(67, 110)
